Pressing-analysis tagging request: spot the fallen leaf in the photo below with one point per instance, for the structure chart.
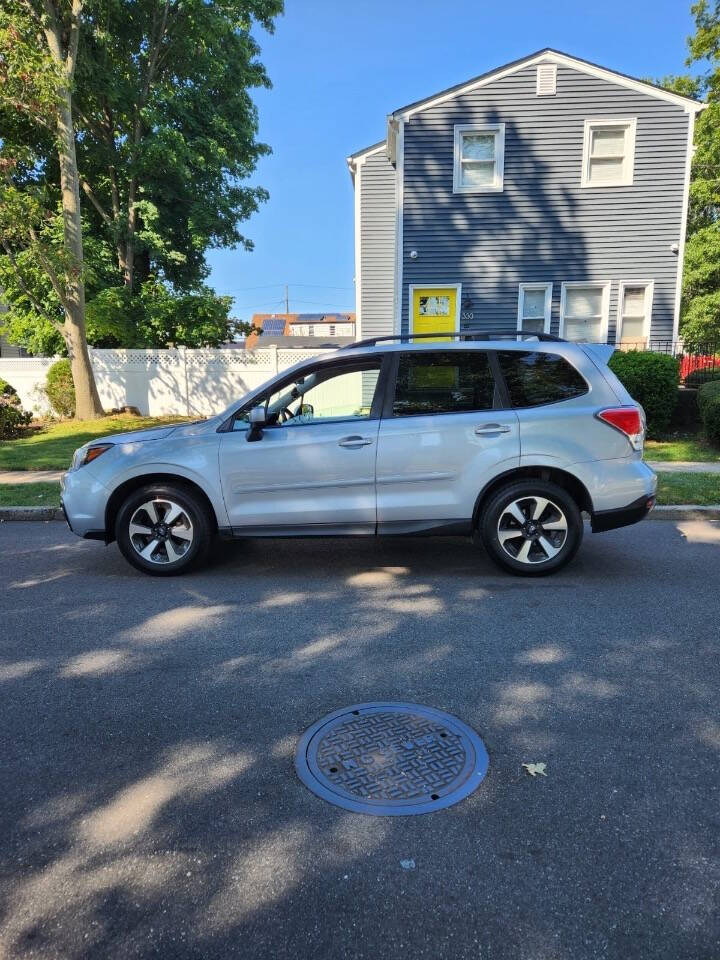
(535, 768)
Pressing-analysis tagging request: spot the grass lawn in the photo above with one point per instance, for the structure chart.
(680, 448)
(29, 494)
(52, 447)
(698, 488)
(702, 489)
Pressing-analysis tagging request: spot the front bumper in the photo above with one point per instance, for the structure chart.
(612, 519)
(83, 500)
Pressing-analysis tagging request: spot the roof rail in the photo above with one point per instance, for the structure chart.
(458, 335)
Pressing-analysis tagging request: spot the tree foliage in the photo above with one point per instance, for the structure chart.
(167, 129)
(700, 321)
(165, 135)
(155, 316)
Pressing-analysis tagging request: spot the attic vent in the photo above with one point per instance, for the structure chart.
(546, 79)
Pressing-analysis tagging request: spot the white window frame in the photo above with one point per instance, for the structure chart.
(498, 130)
(647, 320)
(605, 304)
(630, 125)
(547, 313)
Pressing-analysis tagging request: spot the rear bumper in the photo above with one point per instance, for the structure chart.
(604, 520)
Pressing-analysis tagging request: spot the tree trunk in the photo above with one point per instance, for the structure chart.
(87, 400)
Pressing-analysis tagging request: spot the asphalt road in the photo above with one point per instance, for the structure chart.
(148, 802)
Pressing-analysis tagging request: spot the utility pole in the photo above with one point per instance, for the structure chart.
(287, 302)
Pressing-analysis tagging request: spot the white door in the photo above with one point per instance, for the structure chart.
(313, 470)
(442, 440)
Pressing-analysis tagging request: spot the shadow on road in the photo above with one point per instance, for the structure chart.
(149, 803)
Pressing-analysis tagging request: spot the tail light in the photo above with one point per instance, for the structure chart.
(627, 420)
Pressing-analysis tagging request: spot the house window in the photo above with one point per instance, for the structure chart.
(634, 313)
(584, 311)
(479, 153)
(534, 306)
(608, 153)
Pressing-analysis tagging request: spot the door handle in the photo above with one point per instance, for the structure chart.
(487, 429)
(355, 441)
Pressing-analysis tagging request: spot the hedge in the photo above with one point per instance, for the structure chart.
(60, 389)
(652, 379)
(705, 375)
(711, 419)
(706, 393)
(13, 419)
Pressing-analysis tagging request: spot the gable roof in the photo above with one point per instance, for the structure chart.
(548, 55)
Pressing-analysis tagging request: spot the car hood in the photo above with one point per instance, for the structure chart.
(159, 433)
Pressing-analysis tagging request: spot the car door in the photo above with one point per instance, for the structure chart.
(313, 470)
(443, 436)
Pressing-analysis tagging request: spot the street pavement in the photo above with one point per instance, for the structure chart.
(149, 805)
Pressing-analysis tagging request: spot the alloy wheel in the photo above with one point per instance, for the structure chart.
(532, 529)
(161, 531)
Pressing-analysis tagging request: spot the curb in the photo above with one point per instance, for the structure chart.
(685, 511)
(681, 511)
(31, 513)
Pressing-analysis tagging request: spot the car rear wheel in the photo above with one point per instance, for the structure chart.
(164, 529)
(531, 527)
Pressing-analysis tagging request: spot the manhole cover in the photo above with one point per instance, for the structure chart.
(391, 759)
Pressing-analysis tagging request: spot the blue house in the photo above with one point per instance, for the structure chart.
(550, 194)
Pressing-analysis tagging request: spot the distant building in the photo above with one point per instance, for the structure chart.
(302, 330)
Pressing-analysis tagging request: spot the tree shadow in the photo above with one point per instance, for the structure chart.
(149, 803)
(490, 242)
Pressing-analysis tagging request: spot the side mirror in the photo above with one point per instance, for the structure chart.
(257, 418)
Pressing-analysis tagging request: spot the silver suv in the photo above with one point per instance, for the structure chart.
(505, 440)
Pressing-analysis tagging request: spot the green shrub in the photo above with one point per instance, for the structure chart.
(706, 393)
(651, 379)
(13, 418)
(60, 390)
(711, 420)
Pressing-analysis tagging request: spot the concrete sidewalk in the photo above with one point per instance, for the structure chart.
(31, 476)
(684, 466)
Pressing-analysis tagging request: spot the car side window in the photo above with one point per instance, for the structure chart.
(335, 393)
(536, 378)
(450, 381)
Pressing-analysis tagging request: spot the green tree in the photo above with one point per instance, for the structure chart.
(165, 138)
(38, 58)
(168, 129)
(700, 320)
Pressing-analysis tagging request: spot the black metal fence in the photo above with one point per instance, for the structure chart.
(698, 364)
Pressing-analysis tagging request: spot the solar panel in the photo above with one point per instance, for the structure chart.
(275, 326)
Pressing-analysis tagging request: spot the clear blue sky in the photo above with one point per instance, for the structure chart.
(338, 68)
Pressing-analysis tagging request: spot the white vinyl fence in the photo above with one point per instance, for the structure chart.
(162, 382)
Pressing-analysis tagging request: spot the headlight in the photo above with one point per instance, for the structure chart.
(85, 455)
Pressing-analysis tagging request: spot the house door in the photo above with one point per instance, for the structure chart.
(435, 309)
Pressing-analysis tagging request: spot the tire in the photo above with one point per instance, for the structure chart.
(180, 544)
(549, 536)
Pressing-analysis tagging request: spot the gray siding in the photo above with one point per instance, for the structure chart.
(544, 226)
(377, 245)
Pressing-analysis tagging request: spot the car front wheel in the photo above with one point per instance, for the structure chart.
(531, 527)
(164, 529)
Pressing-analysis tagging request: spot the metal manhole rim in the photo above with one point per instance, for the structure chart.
(473, 772)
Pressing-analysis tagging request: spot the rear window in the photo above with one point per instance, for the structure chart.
(536, 378)
(443, 382)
